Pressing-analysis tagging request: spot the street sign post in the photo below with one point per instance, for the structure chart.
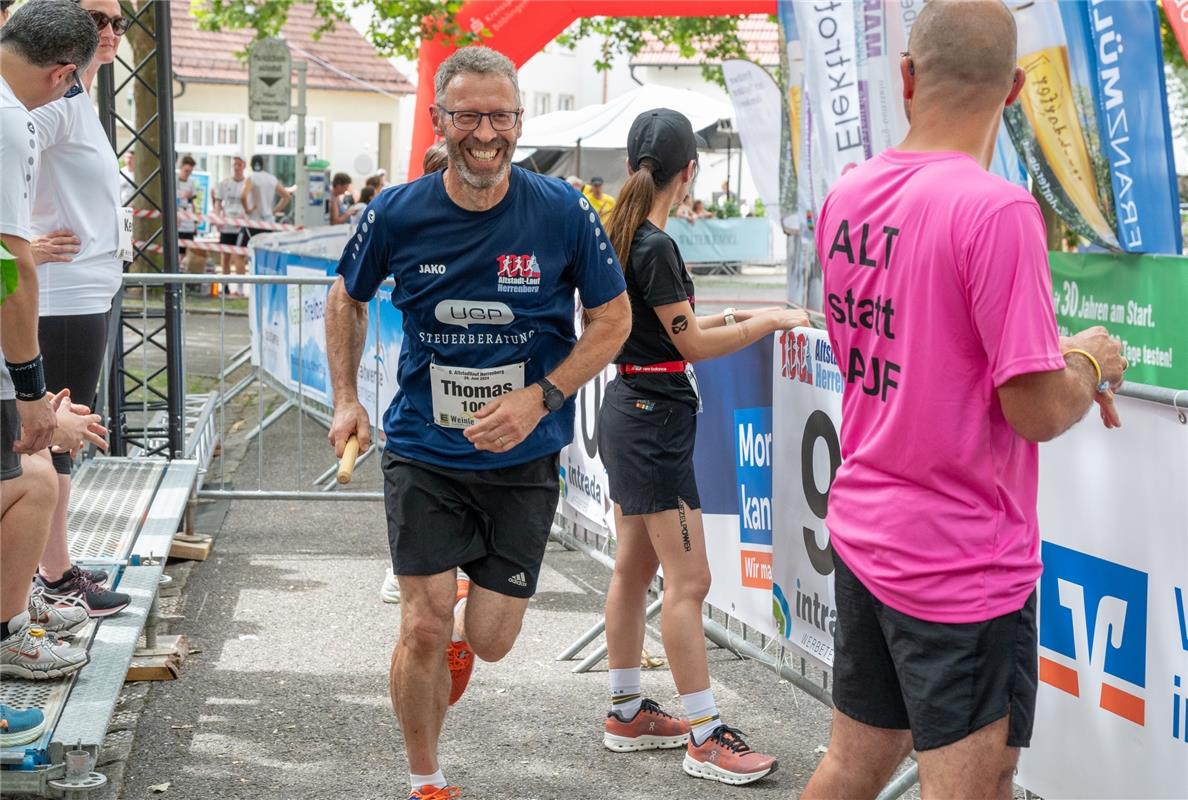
(269, 81)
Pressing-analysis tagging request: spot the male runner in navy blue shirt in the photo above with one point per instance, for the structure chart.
(486, 258)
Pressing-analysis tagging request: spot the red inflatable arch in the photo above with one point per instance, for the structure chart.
(520, 28)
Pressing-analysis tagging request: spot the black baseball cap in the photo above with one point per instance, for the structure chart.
(667, 137)
(596, 181)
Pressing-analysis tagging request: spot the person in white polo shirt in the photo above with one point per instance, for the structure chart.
(78, 189)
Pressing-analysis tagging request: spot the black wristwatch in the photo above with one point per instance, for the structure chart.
(554, 398)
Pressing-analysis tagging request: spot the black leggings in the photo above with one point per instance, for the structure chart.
(73, 349)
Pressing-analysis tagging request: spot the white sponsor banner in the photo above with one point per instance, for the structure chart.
(806, 405)
(880, 84)
(738, 569)
(827, 34)
(585, 488)
(1112, 712)
(758, 113)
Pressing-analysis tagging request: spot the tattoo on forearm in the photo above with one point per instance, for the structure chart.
(684, 522)
(679, 323)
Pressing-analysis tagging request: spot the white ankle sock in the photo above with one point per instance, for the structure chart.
(701, 713)
(625, 692)
(421, 781)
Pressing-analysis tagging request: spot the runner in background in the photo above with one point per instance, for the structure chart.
(227, 203)
(260, 190)
(647, 427)
(939, 304)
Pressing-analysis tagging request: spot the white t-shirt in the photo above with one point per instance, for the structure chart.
(185, 202)
(228, 194)
(19, 155)
(263, 194)
(78, 188)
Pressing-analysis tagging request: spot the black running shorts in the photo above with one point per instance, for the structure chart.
(492, 523)
(647, 448)
(10, 431)
(74, 348)
(229, 237)
(943, 681)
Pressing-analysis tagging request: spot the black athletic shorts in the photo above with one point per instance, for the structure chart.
(230, 237)
(942, 681)
(492, 523)
(647, 447)
(73, 348)
(10, 431)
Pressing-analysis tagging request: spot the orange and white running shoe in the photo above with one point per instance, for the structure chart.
(459, 656)
(652, 728)
(436, 793)
(725, 757)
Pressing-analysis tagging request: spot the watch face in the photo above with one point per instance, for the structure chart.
(554, 399)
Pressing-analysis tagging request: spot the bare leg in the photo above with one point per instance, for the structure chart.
(860, 760)
(978, 767)
(55, 559)
(419, 681)
(26, 506)
(490, 622)
(626, 599)
(678, 539)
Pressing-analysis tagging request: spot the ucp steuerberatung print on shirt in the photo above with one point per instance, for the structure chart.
(479, 290)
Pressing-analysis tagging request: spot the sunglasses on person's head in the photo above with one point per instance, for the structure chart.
(118, 24)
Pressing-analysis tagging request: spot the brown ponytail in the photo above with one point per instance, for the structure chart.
(633, 206)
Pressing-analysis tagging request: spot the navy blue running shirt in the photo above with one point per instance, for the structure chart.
(480, 289)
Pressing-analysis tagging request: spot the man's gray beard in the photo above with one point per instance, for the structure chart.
(458, 161)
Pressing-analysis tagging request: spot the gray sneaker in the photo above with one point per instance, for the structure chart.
(31, 653)
(61, 620)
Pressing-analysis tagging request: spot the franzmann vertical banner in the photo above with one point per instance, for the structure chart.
(1112, 708)
(1132, 120)
(806, 398)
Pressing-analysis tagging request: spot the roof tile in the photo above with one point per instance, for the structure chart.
(761, 35)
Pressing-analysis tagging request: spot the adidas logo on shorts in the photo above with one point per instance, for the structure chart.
(519, 579)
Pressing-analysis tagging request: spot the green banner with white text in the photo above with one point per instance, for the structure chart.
(1143, 300)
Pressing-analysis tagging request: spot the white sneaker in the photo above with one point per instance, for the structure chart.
(55, 619)
(390, 591)
(31, 653)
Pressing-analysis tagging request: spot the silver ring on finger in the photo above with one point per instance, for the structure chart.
(500, 440)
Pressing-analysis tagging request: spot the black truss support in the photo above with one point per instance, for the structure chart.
(146, 343)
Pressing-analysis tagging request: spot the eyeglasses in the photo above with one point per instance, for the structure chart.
(470, 120)
(118, 24)
(77, 88)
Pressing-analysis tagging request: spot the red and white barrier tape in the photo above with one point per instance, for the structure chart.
(219, 219)
(198, 244)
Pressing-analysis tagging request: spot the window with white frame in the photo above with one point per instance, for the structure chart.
(542, 103)
(565, 102)
(281, 138)
(212, 139)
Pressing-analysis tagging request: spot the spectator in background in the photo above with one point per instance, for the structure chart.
(259, 195)
(602, 202)
(375, 182)
(186, 189)
(340, 199)
(700, 211)
(382, 174)
(78, 189)
(436, 157)
(577, 183)
(684, 210)
(228, 204)
(366, 195)
(42, 49)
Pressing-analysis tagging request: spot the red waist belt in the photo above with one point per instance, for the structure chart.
(642, 369)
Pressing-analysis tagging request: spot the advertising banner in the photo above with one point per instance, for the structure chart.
(584, 485)
(1048, 128)
(1132, 118)
(757, 115)
(806, 396)
(1177, 18)
(288, 328)
(715, 241)
(1113, 611)
(1140, 299)
(736, 494)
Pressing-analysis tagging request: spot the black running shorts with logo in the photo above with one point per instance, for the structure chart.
(492, 523)
(942, 681)
(647, 448)
(10, 431)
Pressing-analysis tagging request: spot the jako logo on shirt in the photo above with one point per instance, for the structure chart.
(1093, 631)
(519, 274)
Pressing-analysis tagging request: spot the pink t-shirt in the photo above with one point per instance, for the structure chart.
(937, 291)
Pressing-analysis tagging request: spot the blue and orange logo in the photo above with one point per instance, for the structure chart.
(1093, 630)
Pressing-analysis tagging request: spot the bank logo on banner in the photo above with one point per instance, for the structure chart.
(1093, 631)
(752, 461)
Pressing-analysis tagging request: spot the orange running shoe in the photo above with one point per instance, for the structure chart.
(725, 757)
(435, 793)
(459, 656)
(650, 729)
